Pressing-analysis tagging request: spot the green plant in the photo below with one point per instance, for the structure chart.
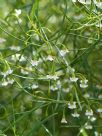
(50, 63)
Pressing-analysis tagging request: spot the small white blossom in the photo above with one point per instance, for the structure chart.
(63, 120)
(15, 48)
(83, 83)
(99, 87)
(4, 83)
(86, 95)
(59, 84)
(96, 133)
(15, 57)
(89, 112)
(92, 119)
(50, 58)
(19, 20)
(52, 19)
(66, 90)
(98, 4)
(2, 40)
(6, 73)
(75, 115)
(100, 96)
(38, 111)
(34, 62)
(99, 110)
(34, 86)
(88, 126)
(63, 52)
(78, 17)
(37, 37)
(72, 70)
(9, 71)
(52, 77)
(73, 0)
(34, 52)
(22, 59)
(17, 12)
(24, 72)
(99, 25)
(85, 1)
(73, 79)
(72, 105)
(10, 81)
(53, 88)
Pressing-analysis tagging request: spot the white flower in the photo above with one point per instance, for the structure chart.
(99, 87)
(8, 72)
(4, 83)
(22, 59)
(53, 19)
(15, 48)
(73, 79)
(98, 4)
(10, 81)
(100, 96)
(34, 86)
(19, 20)
(85, 1)
(78, 17)
(24, 72)
(63, 120)
(99, 25)
(83, 83)
(38, 111)
(72, 70)
(34, 52)
(34, 62)
(15, 57)
(2, 40)
(17, 12)
(99, 110)
(92, 119)
(59, 84)
(88, 126)
(89, 112)
(66, 90)
(18, 57)
(96, 133)
(53, 88)
(63, 52)
(52, 77)
(37, 37)
(75, 115)
(86, 95)
(50, 58)
(72, 105)
(73, 0)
